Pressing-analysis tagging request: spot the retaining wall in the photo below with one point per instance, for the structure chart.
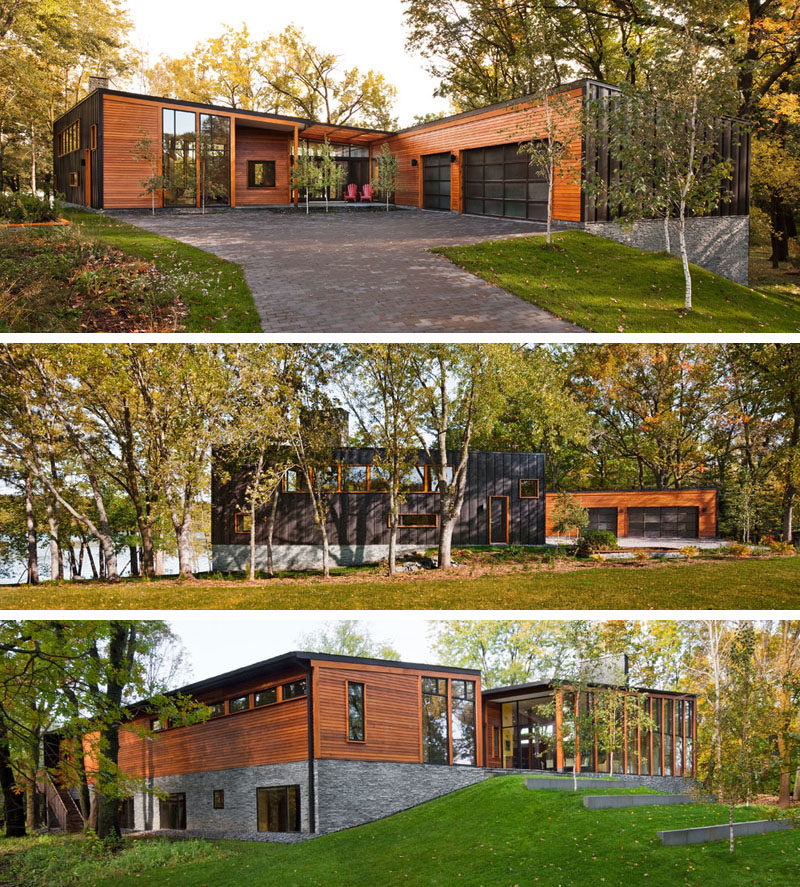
(234, 558)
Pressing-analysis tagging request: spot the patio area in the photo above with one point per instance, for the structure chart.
(360, 271)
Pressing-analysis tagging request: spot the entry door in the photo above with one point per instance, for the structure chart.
(498, 519)
(436, 181)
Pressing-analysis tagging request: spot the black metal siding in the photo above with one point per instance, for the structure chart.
(88, 112)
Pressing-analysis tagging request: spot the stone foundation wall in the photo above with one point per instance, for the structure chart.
(719, 243)
(353, 792)
(238, 818)
(233, 558)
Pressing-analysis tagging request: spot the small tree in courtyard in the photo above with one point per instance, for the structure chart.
(305, 173)
(568, 515)
(144, 152)
(386, 176)
(331, 174)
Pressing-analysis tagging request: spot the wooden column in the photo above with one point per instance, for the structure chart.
(296, 192)
(233, 161)
(559, 701)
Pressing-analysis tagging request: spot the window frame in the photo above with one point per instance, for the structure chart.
(367, 479)
(69, 139)
(216, 705)
(218, 799)
(350, 737)
(277, 699)
(74, 180)
(232, 699)
(93, 137)
(530, 480)
(295, 787)
(251, 170)
(157, 725)
(237, 523)
(402, 526)
(302, 477)
(302, 695)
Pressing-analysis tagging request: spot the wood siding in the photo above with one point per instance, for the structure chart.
(704, 500)
(362, 518)
(84, 161)
(392, 707)
(266, 735)
(260, 144)
(124, 121)
(517, 122)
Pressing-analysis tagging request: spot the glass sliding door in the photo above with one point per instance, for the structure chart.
(215, 160)
(179, 167)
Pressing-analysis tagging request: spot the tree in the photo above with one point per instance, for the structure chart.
(331, 173)
(386, 174)
(568, 515)
(305, 173)
(348, 637)
(144, 152)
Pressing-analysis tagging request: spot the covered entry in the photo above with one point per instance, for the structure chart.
(499, 181)
(436, 181)
(666, 522)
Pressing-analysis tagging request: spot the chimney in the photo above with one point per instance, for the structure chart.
(98, 83)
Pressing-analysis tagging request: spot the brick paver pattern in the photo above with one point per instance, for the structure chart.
(361, 272)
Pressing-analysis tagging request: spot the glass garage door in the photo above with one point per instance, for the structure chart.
(499, 181)
(436, 181)
(656, 523)
(603, 519)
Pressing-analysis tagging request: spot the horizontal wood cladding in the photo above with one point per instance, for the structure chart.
(124, 122)
(506, 125)
(265, 735)
(260, 144)
(392, 707)
(704, 500)
(362, 518)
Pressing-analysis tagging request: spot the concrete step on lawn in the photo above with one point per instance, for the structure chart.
(601, 802)
(564, 783)
(700, 835)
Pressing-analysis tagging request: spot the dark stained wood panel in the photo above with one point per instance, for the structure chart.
(84, 161)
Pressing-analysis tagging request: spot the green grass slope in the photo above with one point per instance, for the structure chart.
(607, 287)
(772, 583)
(214, 291)
(499, 833)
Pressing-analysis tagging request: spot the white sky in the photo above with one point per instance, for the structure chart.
(219, 642)
(365, 34)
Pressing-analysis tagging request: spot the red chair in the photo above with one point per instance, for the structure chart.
(366, 193)
(351, 193)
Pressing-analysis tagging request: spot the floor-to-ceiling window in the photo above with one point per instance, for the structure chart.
(448, 738)
(435, 735)
(462, 705)
(179, 167)
(529, 733)
(215, 160)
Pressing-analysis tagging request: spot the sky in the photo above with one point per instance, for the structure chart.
(365, 34)
(219, 642)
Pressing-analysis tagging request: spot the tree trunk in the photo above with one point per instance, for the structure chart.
(796, 792)
(33, 159)
(12, 800)
(790, 491)
(273, 510)
(667, 243)
(575, 774)
(183, 536)
(30, 526)
(731, 838)
(446, 542)
(148, 565)
(687, 274)
(56, 554)
(252, 539)
(134, 552)
(326, 567)
(392, 533)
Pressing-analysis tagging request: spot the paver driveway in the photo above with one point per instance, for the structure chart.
(361, 272)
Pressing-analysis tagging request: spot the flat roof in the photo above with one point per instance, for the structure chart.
(539, 685)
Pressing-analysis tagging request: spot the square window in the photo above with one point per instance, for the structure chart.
(529, 488)
(239, 703)
(156, 725)
(354, 478)
(260, 173)
(278, 808)
(265, 697)
(219, 798)
(242, 522)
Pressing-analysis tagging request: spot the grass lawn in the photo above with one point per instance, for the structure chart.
(103, 275)
(725, 583)
(607, 287)
(498, 833)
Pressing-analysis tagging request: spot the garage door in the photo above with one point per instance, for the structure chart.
(436, 181)
(655, 523)
(499, 181)
(603, 519)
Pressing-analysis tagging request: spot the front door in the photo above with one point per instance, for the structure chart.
(498, 519)
(436, 181)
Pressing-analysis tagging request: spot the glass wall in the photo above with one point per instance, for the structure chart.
(669, 735)
(529, 734)
(462, 704)
(435, 736)
(215, 160)
(657, 733)
(179, 158)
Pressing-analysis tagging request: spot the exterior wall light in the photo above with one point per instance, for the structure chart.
(414, 161)
(453, 158)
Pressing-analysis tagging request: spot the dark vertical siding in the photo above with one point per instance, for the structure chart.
(362, 518)
(89, 113)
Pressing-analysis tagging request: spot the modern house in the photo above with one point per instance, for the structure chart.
(466, 163)
(307, 743)
(647, 514)
(505, 503)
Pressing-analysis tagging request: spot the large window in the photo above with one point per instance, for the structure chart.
(278, 808)
(657, 738)
(354, 478)
(435, 735)
(215, 160)
(260, 173)
(414, 480)
(462, 703)
(172, 811)
(69, 139)
(355, 712)
(669, 735)
(179, 158)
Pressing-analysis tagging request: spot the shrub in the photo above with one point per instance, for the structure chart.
(17, 208)
(690, 551)
(779, 547)
(642, 556)
(595, 540)
(597, 558)
(738, 550)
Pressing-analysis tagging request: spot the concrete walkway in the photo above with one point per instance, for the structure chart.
(363, 272)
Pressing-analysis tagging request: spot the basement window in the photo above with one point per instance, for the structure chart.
(260, 173)
(278, 808)
(219, 798)
(529, 488)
